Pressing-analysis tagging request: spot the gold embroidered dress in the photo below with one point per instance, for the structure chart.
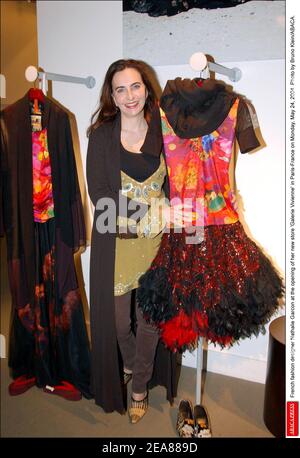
(135, 255)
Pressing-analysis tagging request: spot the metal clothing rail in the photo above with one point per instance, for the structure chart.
(234, 74)
(199, 62)
(32, 74)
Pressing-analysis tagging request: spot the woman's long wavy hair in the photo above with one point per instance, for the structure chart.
(107, 109)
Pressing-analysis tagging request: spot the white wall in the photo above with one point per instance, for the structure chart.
(79, 38)
(261, 192)
(83, 38)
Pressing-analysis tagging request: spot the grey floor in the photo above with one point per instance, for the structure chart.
(235, 406)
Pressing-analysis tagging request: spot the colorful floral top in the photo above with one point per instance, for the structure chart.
(43, 205)
(199, 170)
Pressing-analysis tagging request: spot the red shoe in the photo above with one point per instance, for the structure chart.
(65, 390)
(20, 385)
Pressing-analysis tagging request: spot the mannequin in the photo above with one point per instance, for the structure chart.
(219, 285)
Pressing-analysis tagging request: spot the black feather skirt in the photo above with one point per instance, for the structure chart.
(223, 289)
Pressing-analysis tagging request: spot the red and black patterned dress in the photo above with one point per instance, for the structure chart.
(44, 226)
(215, 282)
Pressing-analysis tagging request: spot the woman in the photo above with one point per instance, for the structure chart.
(124, 159)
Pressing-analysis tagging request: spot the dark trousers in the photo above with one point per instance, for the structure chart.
(138, 352)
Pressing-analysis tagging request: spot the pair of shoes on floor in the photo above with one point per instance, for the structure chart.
(137, 409)
(66, 390)
(20, 385)
(192, 422)
(202, 422)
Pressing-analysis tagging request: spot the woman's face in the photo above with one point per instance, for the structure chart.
(129, 92)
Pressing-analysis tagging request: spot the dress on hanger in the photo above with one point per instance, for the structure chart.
(44, 226)
(219, 284)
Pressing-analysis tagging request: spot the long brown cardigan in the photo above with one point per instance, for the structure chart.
(104, 180)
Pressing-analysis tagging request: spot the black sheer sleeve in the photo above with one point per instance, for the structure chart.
(79, 231)
(245, 127)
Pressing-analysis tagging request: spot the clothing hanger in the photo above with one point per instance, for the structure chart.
(200, 82)
(36, 93)
(37, 100)
(199, 62)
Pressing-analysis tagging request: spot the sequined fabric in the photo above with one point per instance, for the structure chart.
(149, 229)
(223, 289)
(146, 190)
